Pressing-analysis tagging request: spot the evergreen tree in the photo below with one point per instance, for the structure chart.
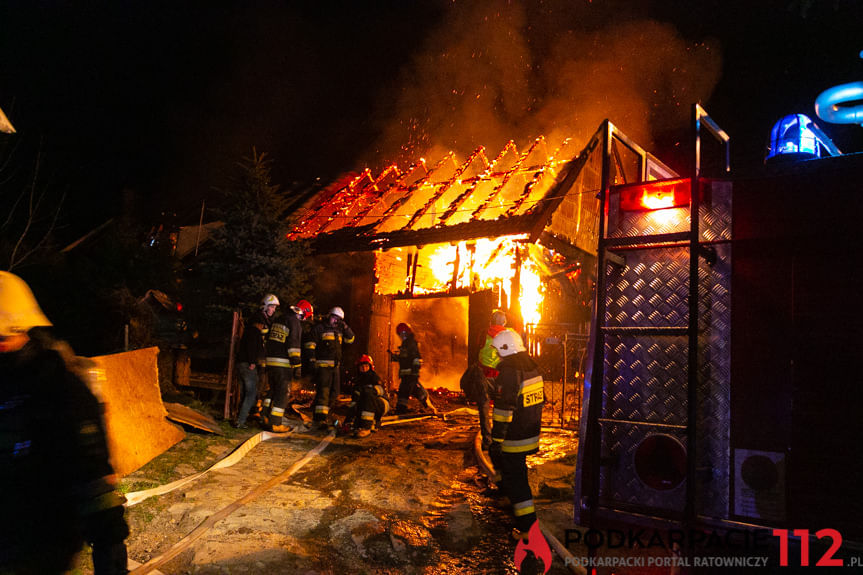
(251, 256)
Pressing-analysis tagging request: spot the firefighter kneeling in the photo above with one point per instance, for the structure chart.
(517, 419)
(368, 400)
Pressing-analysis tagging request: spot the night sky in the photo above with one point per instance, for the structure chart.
(162, 98)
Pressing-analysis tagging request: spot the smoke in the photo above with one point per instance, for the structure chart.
(494, 72)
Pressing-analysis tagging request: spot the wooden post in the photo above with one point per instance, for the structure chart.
(229, 379)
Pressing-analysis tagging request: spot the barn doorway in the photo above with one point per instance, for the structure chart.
(441, 328)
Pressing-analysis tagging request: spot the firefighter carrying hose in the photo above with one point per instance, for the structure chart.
(327, 339)
(410, 361)
(56, 480)
(516, 427)
(283, 361)
(368, 400)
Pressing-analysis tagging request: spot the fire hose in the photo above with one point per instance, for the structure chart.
(238, 454)
(208, 523)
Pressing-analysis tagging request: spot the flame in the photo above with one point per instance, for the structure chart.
(535, 542)
(487, 264)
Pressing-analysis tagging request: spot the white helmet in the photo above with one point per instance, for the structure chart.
(507, 343)
(338, 312)
(269, 299)
(19, 310)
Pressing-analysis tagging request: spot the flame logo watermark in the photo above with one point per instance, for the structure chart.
(535, 542)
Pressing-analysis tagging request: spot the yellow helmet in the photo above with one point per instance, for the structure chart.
(19, 310)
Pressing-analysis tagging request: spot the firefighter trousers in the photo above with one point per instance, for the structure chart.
(278, 398)
(512, 468)
(410, 386)
(371, 408)
(326, 390)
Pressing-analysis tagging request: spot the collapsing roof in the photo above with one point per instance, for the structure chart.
(545, 194)
(445, 202)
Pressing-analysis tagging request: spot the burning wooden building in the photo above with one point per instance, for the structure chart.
(441, 244)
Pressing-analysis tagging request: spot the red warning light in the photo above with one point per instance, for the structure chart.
(657, 195)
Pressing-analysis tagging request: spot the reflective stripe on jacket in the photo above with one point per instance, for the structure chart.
(517, 415)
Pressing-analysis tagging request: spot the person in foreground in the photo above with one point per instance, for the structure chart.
(56, 480)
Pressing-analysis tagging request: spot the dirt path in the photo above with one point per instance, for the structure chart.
(407, 499)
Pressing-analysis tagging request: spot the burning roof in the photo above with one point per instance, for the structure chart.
(446, 201)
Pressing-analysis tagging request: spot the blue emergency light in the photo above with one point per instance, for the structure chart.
(797, 137)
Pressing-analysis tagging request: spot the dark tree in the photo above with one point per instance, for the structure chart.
(250, 255)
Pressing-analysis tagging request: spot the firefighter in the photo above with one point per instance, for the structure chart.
(327, 339)
(410, 361)
(251, 356)
(304, 313)
(56, 480)
(488, 355)
(266, 315)
(283, 361)
(517, 420)
(488, 360)
(368, 400)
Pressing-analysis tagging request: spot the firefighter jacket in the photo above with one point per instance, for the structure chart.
(251, 348)
(327, 339)
(408, 356)
(56, 479)
(488, 356)
(283, 341)
(517, 415)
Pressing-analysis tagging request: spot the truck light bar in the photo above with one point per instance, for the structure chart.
(658, 195)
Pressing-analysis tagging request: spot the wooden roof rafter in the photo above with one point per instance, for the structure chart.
(476, 213)
(442, 189)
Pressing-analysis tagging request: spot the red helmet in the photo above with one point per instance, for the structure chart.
(403, 328)
(366, 358)
(305, 309)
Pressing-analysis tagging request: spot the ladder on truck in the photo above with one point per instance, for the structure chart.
(631, 358)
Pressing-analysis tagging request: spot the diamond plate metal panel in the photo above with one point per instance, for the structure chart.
(714, 391)
(650, 290)
(715, 213)
(645, 379)
(645, 376)
(619, 483)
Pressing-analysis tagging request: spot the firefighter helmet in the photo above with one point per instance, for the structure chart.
(366, 358)
(498, 317)
(338, 312)
(507, 343)
(19, 310)
(269, 299)
(403, 328)
(304, 309)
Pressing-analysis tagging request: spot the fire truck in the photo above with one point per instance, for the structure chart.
(723, 385)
